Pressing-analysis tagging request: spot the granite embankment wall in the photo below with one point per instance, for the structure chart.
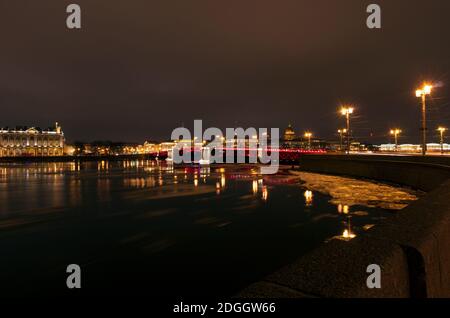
(412, 247)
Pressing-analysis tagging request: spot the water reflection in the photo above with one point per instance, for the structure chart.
(265, 193)
(103, 165)
(132, 210)
(217, 187)
(348, 233)
(127, 184)
(195, 181)
(139, 182)
(308, 197)
(343, 208)
(255, 186)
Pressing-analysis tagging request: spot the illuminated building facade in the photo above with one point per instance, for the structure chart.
(289, 134)
(31, 142)
(290, 140)
(411, 148)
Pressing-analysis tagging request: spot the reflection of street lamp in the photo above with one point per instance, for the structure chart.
(348, 234)
(265, 193)
(347, 111)
(423, 92)
(341, 133)
(442, 130)
(395, 133)
(308, 197)
(308, 135)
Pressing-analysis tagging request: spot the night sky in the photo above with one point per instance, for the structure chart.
(140, 68)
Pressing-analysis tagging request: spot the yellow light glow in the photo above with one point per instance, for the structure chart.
(442, 129)
(255, 186)
(348, 235)
(347, 110)
(265, 193)
(425, 90)
(308, 197)
(345, 209)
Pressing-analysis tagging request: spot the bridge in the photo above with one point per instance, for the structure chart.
(285, 155)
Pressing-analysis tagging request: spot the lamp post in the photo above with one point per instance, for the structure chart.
(341, 134)
(422, 93)
(308, 135)
(347, 111)
(442, 130)
(395, 133)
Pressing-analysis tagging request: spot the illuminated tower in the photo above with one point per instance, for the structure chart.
(58, 128)
(289, 133)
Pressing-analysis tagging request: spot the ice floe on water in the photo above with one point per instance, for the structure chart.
(353, 192)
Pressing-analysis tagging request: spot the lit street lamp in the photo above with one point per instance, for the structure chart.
(442, 130)
(308, 135)
(347, 111)
(395, 133)
(341, 134)
(422, 93)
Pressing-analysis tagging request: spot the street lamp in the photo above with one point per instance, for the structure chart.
(442, 130)
(308, 135)
(395, 133)
(422, 93)
(341, 134)
(347, 111)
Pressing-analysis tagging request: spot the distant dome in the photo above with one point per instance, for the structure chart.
(289, 133)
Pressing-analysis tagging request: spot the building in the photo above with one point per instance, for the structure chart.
(31, 142)
(148, 148)
(289, 134)
(292, 141)
(411, 148)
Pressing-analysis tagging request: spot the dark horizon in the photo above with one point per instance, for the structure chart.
(137, 70)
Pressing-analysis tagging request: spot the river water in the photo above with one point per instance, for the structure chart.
(149, 227)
